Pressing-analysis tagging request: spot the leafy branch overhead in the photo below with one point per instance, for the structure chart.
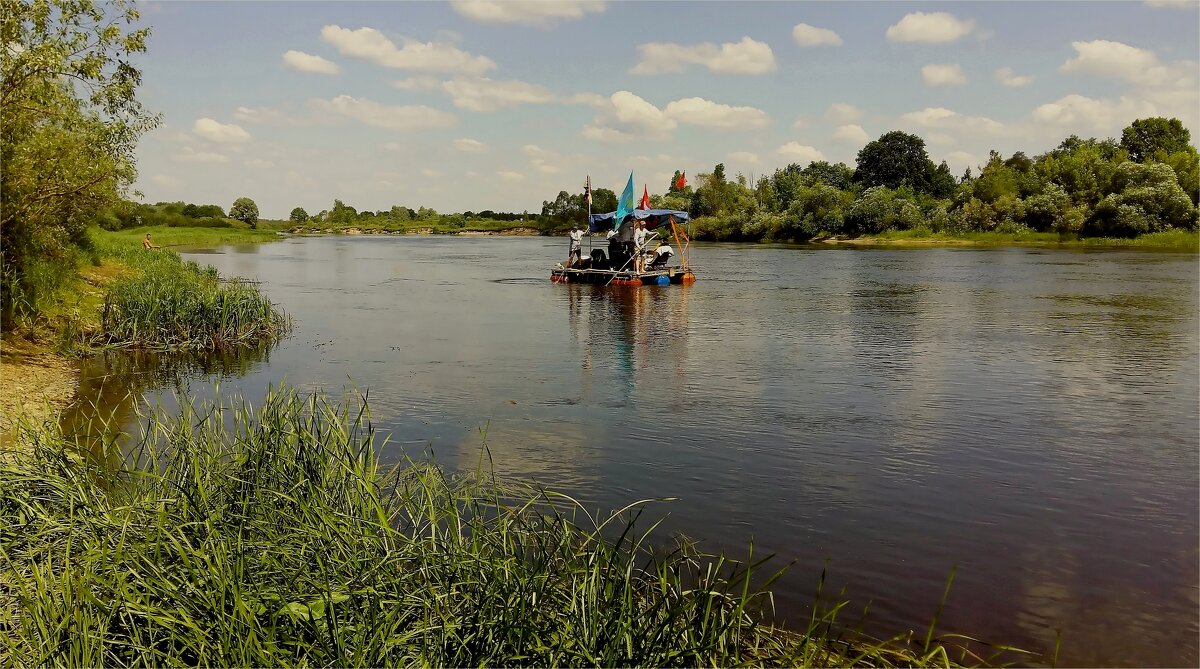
(69, 125)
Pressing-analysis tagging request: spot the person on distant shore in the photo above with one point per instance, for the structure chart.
(639, 241)
(147, 244)
(574, 255)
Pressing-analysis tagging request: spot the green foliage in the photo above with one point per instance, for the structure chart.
(67, 101)
(1144, 198)
(170, 304)
(817, 209)
(881, 208)
(244, 210)
(298, 215)
(895, 159)
(1147, 136)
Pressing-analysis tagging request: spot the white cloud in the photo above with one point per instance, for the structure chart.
(842, 112)
(931, 28)
(469, 145)
(224, 133)
(1181, 4)
(541, 13)
(1006, 76)
(806, 35)
(509, 175)
(433, 174)
(372, 46)
(943, 75)
(1127, 63)
(166, 181)
(744, 157)
(851, 133)
(799, 153)
(266, 116)
(800, 122)
(423, 84)
(534, 151)
(1102, 115)
(748, 56)
(626, 117)
(605, 134)
(589, 99)
(259, 164)
(940, 118)
(404, 117)
(305, 62)
(483, 94)
(701, 112)
(190, 155)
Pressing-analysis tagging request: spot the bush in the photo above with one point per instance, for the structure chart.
(880, 208)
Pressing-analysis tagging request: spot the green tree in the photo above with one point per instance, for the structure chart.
(895, 159)
(603, 200)
(245, 210)
(839, 176)
(298, 215)
(69, 125)
(881, 208)
(1144, 198)
(1147, 136)
(342, 213)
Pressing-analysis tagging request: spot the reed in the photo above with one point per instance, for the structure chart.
(274, 536)
(170, 304)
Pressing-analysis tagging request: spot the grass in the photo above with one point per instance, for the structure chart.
(171, 304)
(274, 536)
(183, 236)
(131, 297)
(1181, 240)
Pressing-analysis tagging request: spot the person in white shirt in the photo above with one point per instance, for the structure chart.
(639, 241)
(574, 255)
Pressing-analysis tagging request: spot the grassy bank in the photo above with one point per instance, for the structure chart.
(182, 236)
(276, 537)
(1173, 240)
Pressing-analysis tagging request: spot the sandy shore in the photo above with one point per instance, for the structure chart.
(33, 381)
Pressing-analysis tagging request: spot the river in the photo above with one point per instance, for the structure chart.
(1029, 415)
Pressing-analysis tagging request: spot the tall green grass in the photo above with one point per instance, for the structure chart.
(167, 303)
(274, 536)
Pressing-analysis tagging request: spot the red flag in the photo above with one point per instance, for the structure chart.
(645, 203)
(587, 190)
(681, 181)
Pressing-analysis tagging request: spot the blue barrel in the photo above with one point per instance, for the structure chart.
(662, 280)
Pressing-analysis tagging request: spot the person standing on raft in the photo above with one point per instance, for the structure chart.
(576, 253)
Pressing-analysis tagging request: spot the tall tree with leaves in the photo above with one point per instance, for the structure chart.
(69, 124)
(895, 159)
(245, 210)
(1147, 136)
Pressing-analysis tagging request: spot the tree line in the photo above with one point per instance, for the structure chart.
(1147, 181)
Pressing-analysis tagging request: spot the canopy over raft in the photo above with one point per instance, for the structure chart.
(618, 270)
(654, 219)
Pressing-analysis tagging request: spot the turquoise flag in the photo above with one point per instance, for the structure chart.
(625, 204)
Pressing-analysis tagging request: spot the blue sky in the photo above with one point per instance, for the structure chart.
(500, 105)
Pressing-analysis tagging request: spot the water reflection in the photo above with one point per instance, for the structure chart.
(114, 383)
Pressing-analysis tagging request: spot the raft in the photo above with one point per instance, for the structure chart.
(603, 277)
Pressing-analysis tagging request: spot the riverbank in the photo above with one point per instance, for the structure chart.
(127, 298)
(1173, 240)
(519, 231)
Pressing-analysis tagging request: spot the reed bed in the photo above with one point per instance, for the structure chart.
(170, 304)
(274, 536)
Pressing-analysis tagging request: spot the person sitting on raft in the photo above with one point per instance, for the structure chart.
(147, 244)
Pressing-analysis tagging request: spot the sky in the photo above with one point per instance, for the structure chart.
(474, 105)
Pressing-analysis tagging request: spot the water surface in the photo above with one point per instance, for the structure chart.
(1027, 415)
